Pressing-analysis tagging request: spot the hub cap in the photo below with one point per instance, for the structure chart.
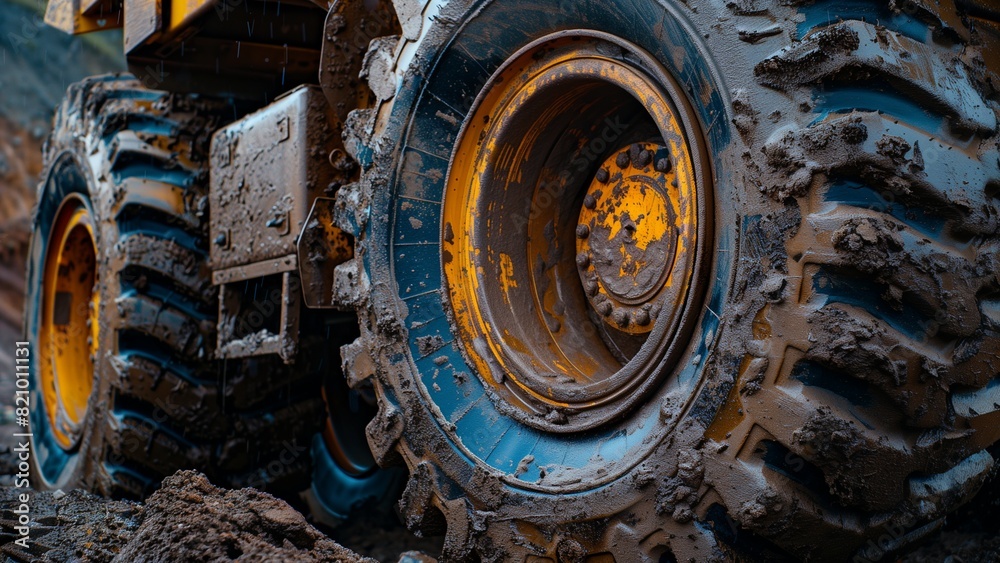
(627, 236)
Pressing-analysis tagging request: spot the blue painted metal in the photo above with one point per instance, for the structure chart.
(341, 493)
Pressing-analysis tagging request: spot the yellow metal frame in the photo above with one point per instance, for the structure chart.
(69, 332)
(84, 16)
(75, 18)
(183, 12)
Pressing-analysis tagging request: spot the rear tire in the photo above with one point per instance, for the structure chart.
(136, 160)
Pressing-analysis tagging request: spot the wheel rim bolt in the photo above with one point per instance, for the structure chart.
(603, 176)
(582, 231)
(605, 308)
(643, 158)
(622, 160)
(621, 318)
(642, 317)
(590, 202)
(654, 312)
(582, 260)
(663, 165)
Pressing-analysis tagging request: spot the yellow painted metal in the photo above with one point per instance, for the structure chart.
(637, 223)
(469, 180)
(83, 16)
(69, 331)
(69, 16)
(183, 12)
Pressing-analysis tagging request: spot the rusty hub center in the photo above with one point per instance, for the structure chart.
(626, 236)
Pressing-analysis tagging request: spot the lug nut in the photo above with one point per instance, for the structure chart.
(642, 317)
(621, 318)
(603, 176)
(643, 158)
(590, 202)
(663, 165)
(582, 231)
(583, 259)
(633, 152)
(605, 308)
(622, 160)
(591, 288)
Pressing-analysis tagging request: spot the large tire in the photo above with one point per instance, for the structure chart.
(834, 394)
(134, 163)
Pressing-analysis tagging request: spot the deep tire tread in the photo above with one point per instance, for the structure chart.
(905, 345)
(171, 405)
(928, 243)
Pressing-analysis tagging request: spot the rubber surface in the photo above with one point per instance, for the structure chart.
(843, 378)
(160, 403)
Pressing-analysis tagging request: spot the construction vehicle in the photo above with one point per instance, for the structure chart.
(571, 281)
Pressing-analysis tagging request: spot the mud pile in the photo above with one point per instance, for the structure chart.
(187, 519)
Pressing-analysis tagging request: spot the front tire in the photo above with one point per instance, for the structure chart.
(832, 388)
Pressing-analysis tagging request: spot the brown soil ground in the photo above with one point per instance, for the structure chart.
(189, 519)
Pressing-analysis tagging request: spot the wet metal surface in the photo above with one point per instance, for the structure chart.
(267, 169)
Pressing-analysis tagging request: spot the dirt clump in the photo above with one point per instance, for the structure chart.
(187, 519)
(191, 519)
(74, 526)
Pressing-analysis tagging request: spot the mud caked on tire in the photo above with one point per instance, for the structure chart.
(641, 281)
(121, 312)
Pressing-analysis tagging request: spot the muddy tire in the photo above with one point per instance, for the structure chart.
(346, 480)
(124, 386)
(830, 390)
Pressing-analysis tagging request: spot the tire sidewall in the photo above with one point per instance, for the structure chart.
(52, 466)
(660, 34)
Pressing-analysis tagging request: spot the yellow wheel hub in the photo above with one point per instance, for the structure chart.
(573, 228)
(629, 235)
(68, 335)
